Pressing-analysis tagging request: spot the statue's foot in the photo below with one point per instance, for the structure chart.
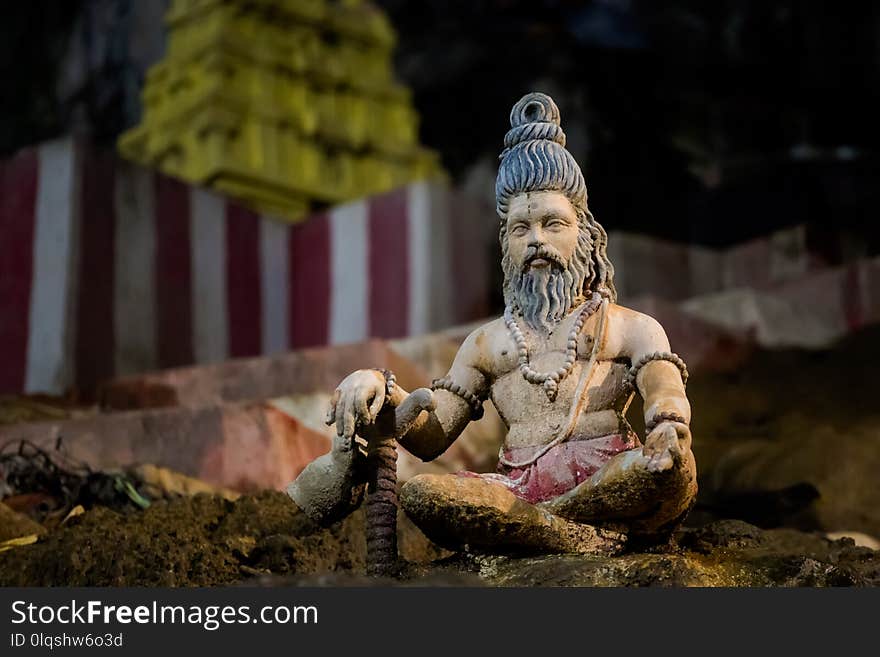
(459, 512)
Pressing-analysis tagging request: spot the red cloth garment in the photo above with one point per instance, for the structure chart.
(559, 470)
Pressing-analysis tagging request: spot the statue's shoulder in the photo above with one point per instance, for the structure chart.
(486, 335)
(633, 331)
(484, 341)
(628, 315)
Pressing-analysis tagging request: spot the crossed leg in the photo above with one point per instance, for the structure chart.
(629, 494)
(457, 511)
(633, 494)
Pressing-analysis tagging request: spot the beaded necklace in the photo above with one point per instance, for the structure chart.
(550, 380)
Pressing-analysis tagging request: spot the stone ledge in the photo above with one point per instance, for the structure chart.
(244, 446)
(299, 372)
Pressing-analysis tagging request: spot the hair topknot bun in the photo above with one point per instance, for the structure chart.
(534, 117)
(535, 157)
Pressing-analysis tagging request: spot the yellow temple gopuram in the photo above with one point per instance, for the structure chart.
(282, 104)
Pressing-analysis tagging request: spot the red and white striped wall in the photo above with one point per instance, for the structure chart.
(107, 268)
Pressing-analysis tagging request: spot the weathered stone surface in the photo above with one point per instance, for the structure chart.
(727, 553)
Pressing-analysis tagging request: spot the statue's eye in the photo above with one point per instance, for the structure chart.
(519, 230)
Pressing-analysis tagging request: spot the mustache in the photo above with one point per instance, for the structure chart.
(545, 252)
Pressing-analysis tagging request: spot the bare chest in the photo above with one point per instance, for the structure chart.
(519, 401)
(532, 418)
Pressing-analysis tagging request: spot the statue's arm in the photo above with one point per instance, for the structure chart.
(435, 431)
(659, 382)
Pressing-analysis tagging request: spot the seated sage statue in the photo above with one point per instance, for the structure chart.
(561, 367)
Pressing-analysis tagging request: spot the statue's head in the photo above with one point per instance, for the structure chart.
(553, 250)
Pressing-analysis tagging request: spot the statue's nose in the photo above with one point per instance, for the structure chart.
(536, 237)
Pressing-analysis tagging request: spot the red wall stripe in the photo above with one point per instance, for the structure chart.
(174, 323)
(310, 282)
(95, 341)
(388, 265)
(18, 198)
(244, 301)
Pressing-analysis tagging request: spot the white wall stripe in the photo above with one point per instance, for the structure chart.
(349, 273)
(134, 281)
(418, 207)
(49, 364)
(210, 314)
(274, 283)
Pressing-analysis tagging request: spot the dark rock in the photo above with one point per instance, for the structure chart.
(726, 553)
(721, 534)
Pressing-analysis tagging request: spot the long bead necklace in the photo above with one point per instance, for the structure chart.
(550, 380)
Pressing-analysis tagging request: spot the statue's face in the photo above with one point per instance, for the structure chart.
(542, 231)
(545, 257)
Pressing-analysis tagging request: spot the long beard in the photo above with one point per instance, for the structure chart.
(544, 295)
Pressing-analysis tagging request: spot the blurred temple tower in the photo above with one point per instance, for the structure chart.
(282, 104)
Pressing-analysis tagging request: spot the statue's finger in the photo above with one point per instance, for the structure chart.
(349, 419)
(376, 404)
(675, 448)
(363, 411)
(340, 415)
(684, 433)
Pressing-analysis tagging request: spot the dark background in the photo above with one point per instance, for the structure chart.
(709, 122)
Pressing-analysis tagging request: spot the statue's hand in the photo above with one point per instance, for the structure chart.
(357, 401)
(666, 443)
